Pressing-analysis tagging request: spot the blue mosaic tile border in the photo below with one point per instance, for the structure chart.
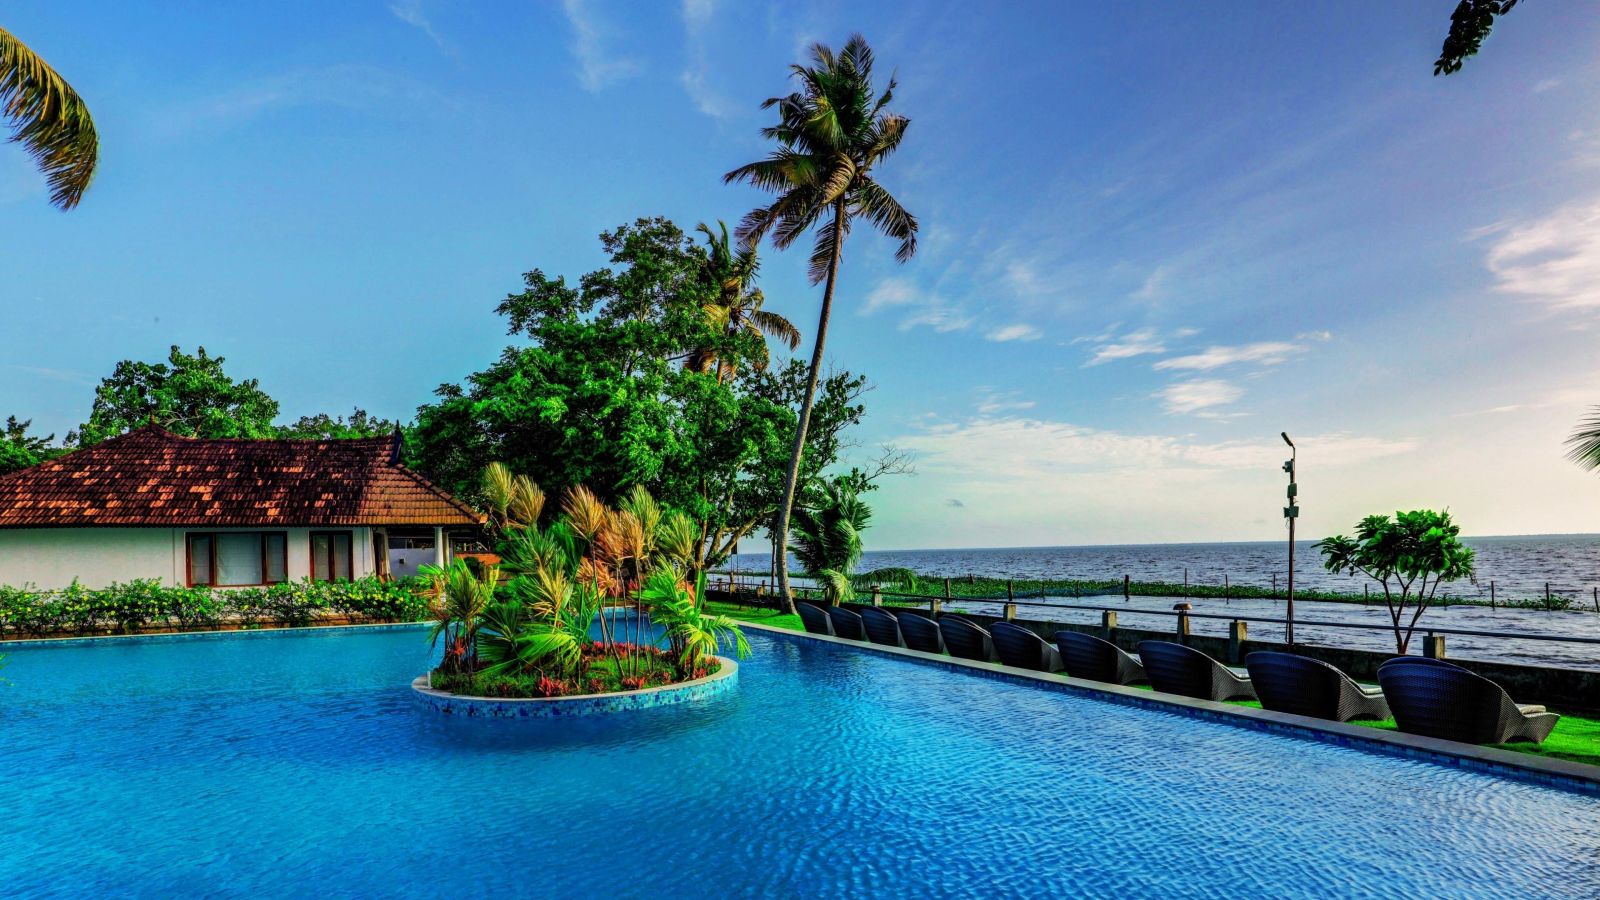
(213, 635)
(715, 685)
(1552, 773)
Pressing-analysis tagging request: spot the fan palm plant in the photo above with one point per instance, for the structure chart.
(737, 309)
(828, 539)
(831, 134)
(49, 119)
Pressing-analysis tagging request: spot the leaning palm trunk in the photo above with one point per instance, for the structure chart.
(797, 454)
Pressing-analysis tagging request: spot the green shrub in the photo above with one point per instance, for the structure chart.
(142, 603)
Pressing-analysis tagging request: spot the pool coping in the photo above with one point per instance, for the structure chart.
(1558, 773)
(446, 703)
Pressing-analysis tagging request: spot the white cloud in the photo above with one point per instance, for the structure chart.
(1154, 287)
(1017, 332)
(938, 317)
(1199, 395)
(1143, 342)
(410, 12)
(1322, 336)
(596, 68)
(1554, 261)
(360, 89)
(1546, 85)
(890, 292)
(696, 74)
(991, 402)
(1266, 353)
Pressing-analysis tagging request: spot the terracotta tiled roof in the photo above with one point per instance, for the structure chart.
(154, 477)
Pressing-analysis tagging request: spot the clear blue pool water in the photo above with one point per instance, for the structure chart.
(297, 765)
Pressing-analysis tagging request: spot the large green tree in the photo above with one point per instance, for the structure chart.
(49, 119)
(599, 395)
(187, 394)
(19, 449)
(831, 134)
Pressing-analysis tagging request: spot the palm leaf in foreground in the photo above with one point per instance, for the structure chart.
(49, 119)
(1583, 447)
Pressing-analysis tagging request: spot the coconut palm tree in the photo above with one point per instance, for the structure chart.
(831, 133)
(737, 308)
(49, 119)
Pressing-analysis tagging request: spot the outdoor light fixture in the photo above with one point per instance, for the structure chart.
(1290, 512)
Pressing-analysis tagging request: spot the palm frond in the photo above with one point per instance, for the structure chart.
(49, 119)
(775, 325)
(1583, 447)
(888, 216)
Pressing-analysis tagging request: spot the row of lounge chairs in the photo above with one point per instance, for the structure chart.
(1427, 697)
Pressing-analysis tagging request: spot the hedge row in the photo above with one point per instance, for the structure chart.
(146, 603)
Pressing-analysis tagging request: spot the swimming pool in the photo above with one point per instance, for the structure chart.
(296, 764)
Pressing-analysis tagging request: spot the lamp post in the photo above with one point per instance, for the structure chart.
(1290, 512)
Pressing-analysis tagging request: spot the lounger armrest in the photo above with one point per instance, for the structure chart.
(1529, 709)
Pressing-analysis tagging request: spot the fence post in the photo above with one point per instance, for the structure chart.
(1010, 594)
(1183, 627)
(1491, 594)
(1547, 595)
(1124, 587)
(947, 589)
(1010, 613)
(935, 606)
(1237, 635)
(1225, 601)
(877, 596)
(1433, 646)
(1108, 625)
(1597, 599)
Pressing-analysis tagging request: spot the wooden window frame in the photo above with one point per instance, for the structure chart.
(311, 554)
(188, 558)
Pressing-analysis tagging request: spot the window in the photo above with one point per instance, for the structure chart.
(236, 558)
(330, 555)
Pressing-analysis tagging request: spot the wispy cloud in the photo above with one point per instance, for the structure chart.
(1017, 332)
(361, 89)
(597, 68)
(890, 292)
(410, 12)
(1142, 342)
(1154, 286)
(930, 310)
(1198, 396)
(1554, 261)
(1266, 353)
(940, 318)
(991, 401)
(70, 376)
(696, 74)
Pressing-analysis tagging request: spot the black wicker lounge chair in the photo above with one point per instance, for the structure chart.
(1019, 647)
(1436, 699)
(1088, 657)
(920, 632)
(882, 626)
(847, 623)
(1294, 684)
(965, 639)
(814, 618)
(1176, 669)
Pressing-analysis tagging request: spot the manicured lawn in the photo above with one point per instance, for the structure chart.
(758, 615)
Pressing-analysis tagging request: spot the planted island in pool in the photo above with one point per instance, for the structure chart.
(543, 622)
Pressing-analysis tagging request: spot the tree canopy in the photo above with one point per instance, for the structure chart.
(19, 450)
(1470, 24)
(601, 394)
(189, 395)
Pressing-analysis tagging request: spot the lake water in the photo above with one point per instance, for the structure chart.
(1519, 567)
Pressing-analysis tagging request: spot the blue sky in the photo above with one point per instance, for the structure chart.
(1155, 234)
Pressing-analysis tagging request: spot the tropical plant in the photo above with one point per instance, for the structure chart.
(49, 119)
(1583, 447)
(737, 307)
(460, 598)
(827, 538)
(692, 634)
(831, 134)
(1410, 555)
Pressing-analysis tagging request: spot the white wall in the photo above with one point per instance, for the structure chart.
(52, 557)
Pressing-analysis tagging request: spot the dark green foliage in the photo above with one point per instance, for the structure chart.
(19, 450)
(324, 427)
(145, 603)
(188, 395)
(1469, 25)
(1402, 554)
(827, 536)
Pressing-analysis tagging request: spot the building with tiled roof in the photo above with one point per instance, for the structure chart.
(235, 512)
